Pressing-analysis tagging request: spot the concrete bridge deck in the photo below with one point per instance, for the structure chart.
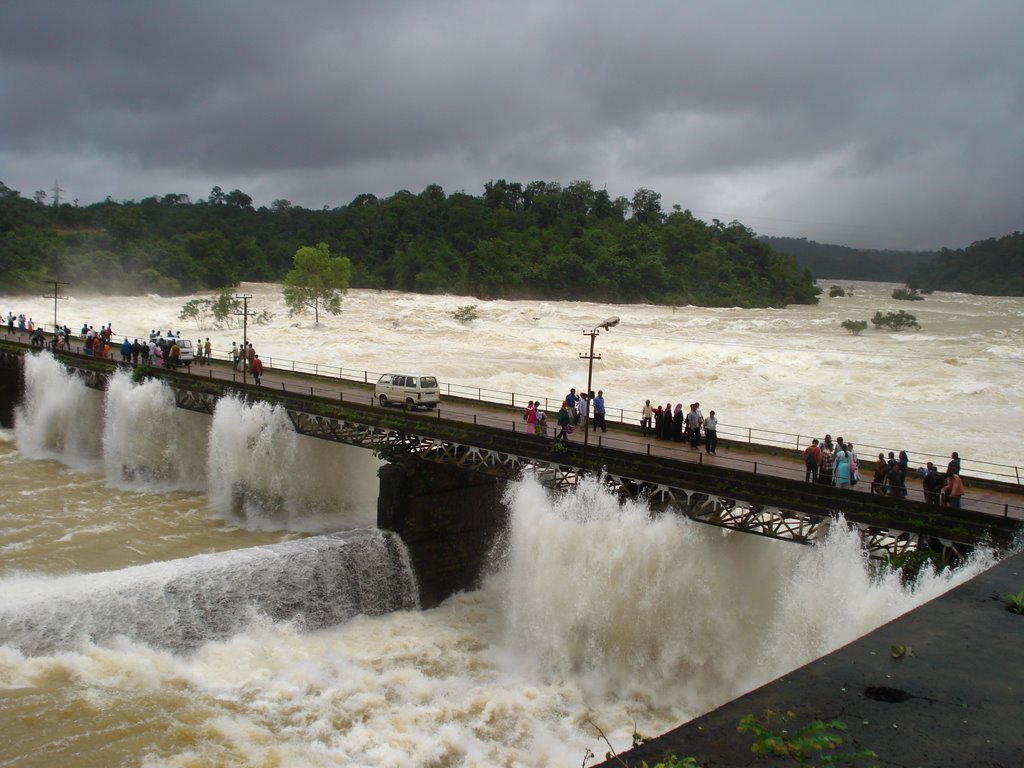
(989, 497)
(741, 487)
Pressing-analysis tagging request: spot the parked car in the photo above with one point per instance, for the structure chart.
(188, 354)
(408, 390)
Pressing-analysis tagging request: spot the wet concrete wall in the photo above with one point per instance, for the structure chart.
(10, 387)
(450, 519)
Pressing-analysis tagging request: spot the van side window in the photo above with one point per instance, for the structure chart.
(398, 381)
(410, 381)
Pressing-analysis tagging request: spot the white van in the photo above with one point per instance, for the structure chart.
(408, 390)
(185, 347)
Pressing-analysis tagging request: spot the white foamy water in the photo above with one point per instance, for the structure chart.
(594, 611)
(263, 473)
(954, 385)
(596, 614)
(150, 443)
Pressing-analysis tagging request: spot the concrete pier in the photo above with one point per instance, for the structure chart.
(450, 520)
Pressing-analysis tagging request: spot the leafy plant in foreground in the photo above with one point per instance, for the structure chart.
(1016, 602)
(803, 744)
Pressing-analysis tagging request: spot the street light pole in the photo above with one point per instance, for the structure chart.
(611, 322)
(245, 329)
(56, 297)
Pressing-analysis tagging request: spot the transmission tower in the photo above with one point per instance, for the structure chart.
(56, 199)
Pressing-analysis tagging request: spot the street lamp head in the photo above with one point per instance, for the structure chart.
(611, 322)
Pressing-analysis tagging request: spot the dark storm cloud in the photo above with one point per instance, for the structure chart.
(889, 124)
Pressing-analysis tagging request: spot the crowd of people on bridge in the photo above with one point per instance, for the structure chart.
(162, 349)
(836, 464)
(827, 462)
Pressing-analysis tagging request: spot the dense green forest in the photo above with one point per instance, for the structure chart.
(839, 262)
(993, 267)
(539, 240)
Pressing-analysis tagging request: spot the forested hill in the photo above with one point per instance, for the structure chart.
(541, 240)
(993, 267)
(840, 262)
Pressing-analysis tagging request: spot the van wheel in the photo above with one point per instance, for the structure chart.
(383, 401)
(409, 404)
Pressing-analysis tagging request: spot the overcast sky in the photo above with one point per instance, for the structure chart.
(877, 124)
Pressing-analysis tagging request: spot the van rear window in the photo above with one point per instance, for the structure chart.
(428, 382)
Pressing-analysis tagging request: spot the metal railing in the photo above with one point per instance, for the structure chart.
(752, 436)
(679, 451)
(755, 437)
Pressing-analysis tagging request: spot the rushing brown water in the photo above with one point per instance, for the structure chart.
(122, 515)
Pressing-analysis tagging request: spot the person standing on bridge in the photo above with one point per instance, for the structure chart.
(932, 483)
(693, 426)
(530, 417)
(256, 369)
(564, 422)
(825, 465)
(812, 458)
(678, 418)
(893, 480)
(570, 403)
(878, 478)
(711, 434)
(953, 468)
(904, 465)
(854, 467)
(646, 415)
(953, 490)
(599, 422)
(841, 471)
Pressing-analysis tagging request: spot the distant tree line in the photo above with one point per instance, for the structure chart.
(843, 263)
(538, 240)
(993, 267)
